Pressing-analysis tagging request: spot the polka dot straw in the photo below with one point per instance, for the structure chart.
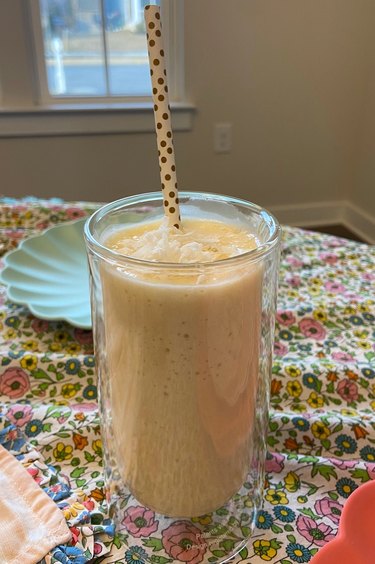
(162, 114)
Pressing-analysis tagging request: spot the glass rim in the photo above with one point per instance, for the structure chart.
(254, 255)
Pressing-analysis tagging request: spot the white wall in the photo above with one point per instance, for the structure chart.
(290, 75)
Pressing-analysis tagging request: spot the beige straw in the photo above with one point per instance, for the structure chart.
(162, 115)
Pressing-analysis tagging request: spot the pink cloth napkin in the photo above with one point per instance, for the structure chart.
(30, 523)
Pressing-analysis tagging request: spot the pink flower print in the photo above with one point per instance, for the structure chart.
(39, 325)
(285, 318)
(280, 349)
(83, 336)
(342, 357)
(84, 407)
(34, 473)
(75, 213)
(139, 521)
(97, 548)
(329, 508)
(20, 414)
(294, 262)
(312, 328)
(347, 389)
(294, 281)
(274, 462)
(317, 534)
(329, 258)
(182, 541)
(14, 383)
(334, 287)
(370, 467)
(368, 276)
(343, 464)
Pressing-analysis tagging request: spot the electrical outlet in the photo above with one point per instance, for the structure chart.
(222, 137)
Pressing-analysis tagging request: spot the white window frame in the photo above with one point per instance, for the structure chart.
(45, 114)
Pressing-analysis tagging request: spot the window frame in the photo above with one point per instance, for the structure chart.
(43, 114)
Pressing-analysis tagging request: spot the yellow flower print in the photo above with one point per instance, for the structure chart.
(29, 362)
(10, 334)
(372, 405)
(363, 308)
(365, 345)
(361, 333)
(292, 293)
(97, 446)
(320, 315)
(264, 549)
(203, 519)
(320, 431)
(294, 389)
(348, 412)
(276, 497)
(314, 400)
(73, 510)
(30, 345)
(74, 348)
(292, 482)
(293, 371)
(314, 290)
(69, 390)
(1, 326)
(315, 281)
(61, 336)
(62, 452)
(55, 347)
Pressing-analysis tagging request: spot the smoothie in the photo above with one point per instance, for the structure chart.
(182, 361)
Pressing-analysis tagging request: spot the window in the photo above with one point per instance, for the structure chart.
(86, 59)
(93, 48)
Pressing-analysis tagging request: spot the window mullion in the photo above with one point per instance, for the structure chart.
(105, 48)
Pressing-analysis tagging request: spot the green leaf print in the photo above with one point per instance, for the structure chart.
(154, 543)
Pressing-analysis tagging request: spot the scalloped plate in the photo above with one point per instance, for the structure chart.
(49, 274)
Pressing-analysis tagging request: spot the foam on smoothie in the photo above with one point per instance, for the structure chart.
(197, 241)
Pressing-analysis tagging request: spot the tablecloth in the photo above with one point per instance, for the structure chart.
(322, 421)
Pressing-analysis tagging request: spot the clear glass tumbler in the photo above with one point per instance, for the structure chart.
(184, 354)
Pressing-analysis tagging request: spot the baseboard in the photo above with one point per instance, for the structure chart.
(315, 214)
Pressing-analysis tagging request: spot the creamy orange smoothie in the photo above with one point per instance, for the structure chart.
(182, 355)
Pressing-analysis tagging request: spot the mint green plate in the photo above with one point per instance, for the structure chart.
(49, 274)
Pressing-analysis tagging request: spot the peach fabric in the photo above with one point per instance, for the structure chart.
(30, 523)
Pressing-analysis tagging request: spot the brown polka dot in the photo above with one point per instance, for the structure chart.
(151, 72)
(161, 97)
(159, 125)
(162, 185)
(166, 203)
(169, 134)
(147, 7)
(165, 72)
(157, 33)
(169, 150)
(162, 52)
(172, 209)
(163, 159)
(163, 143)
(166, 88)
(178, 201)
(161, 80)
(165, 116)
(175, 185)
(176, 226)
(173, 168)
(171, 194)
(159, 153)
(155, 90)
(156, 107)
(167, 177)
(152, 42)
(156, 62)
(151, 25)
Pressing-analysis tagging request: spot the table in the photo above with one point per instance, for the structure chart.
(322, 421)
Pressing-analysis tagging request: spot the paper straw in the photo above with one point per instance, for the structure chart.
(162, 115)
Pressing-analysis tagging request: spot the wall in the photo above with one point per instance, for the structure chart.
(290, 76)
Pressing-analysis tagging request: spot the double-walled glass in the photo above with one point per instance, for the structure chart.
(184, 356)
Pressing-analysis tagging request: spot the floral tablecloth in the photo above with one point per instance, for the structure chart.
(322, 424)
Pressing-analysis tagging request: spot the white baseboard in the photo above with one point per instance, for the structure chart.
(315, 214)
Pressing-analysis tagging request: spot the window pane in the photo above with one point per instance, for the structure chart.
(128, 70)
(76, 55)
(74, 47)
